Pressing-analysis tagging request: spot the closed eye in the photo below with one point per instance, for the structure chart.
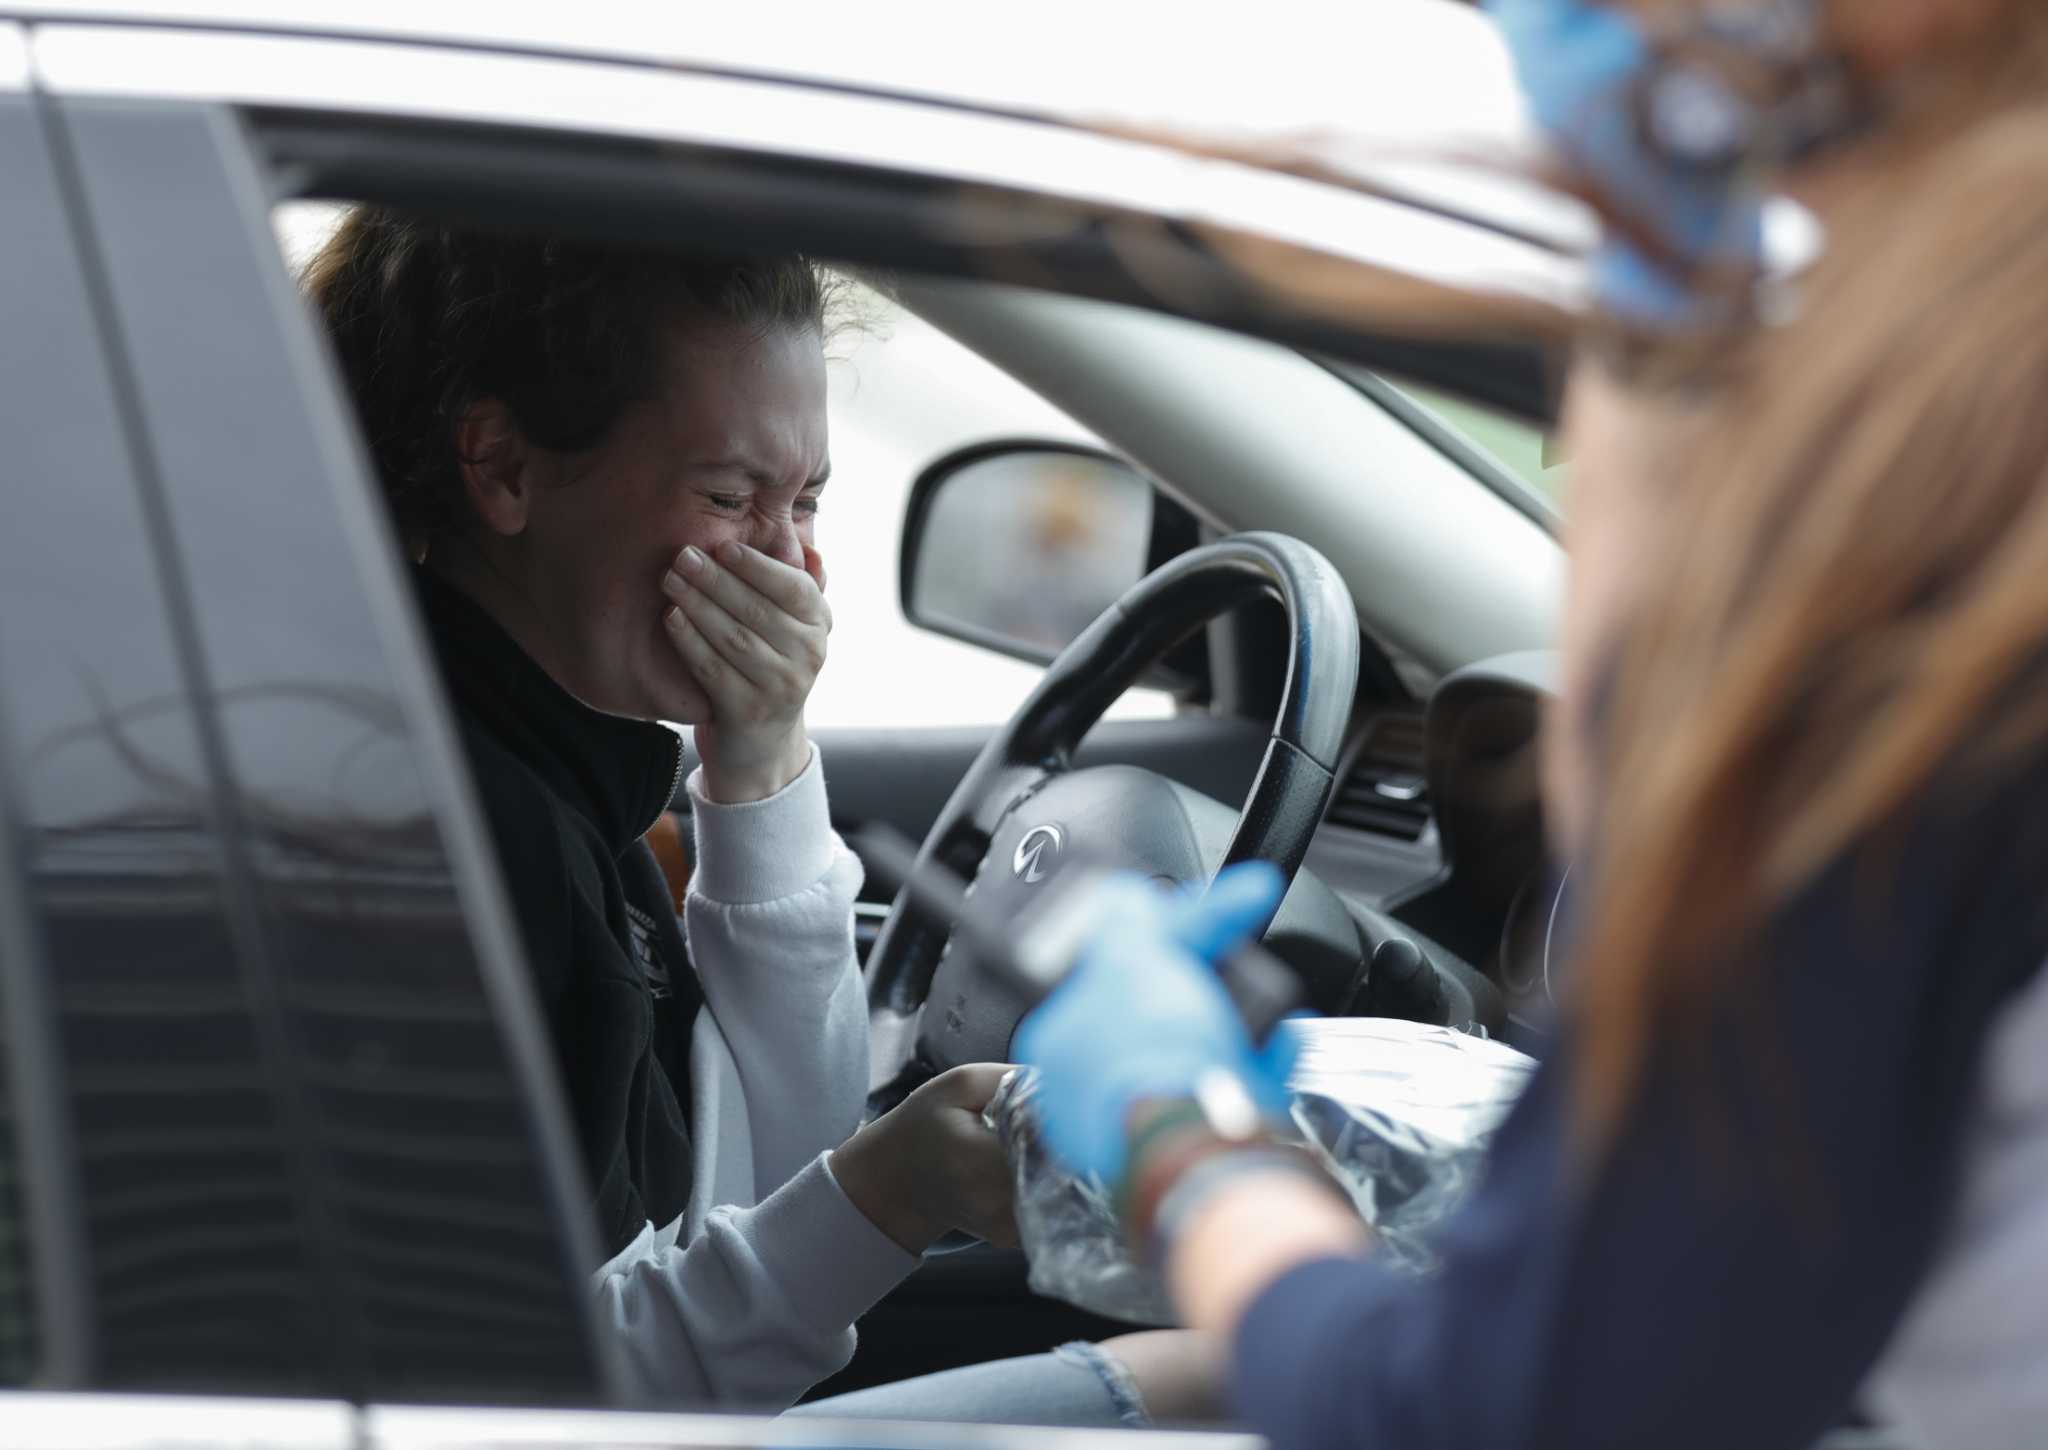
(730, 503)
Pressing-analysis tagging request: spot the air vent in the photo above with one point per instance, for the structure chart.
(1385, 792)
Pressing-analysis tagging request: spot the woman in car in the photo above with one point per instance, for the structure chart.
(1790, 1154)
(607, 467)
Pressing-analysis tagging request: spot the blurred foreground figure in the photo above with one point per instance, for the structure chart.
(1788, 1164)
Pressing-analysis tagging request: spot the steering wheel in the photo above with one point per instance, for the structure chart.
(1022, 806)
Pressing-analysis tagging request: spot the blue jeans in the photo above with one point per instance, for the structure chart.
(1077, 1384)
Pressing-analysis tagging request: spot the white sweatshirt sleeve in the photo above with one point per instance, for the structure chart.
(769, 918)
(757, 1303)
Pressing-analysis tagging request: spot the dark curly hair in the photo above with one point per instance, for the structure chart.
(427, 319)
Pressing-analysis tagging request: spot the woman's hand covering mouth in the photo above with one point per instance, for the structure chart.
(752, 630)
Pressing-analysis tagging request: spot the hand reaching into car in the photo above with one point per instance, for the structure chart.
(752, 630)
(932, 1165)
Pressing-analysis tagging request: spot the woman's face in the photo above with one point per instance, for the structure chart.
(732, 447)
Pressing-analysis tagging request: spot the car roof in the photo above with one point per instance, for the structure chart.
(1392, 65)
(1386, 90)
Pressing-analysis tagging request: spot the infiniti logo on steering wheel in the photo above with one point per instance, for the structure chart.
(1036, 851)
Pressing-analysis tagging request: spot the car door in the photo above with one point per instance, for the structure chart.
(280, 1101)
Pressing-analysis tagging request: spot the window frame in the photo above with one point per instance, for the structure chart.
(821, 168)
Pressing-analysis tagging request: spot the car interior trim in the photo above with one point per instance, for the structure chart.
(725, 111)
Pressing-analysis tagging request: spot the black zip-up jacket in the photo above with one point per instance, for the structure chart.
(570, 791)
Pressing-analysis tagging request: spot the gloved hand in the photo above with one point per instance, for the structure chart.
(1583, 64)
(1143, 1015)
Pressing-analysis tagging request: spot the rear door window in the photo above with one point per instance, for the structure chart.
(434, 1183)
(111, 906)
(304, 1136)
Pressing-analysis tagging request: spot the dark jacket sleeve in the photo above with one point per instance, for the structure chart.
(532, 860)
(1729, 1271)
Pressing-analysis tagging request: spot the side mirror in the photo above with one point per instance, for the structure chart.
(1018, 546)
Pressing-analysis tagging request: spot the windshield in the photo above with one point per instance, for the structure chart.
(1514, 457)
(1522, 449)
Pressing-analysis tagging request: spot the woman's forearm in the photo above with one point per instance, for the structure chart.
(754, 1307)
(770, 922)
(1250, 1233)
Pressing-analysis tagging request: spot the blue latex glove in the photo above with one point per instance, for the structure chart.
(1579, 62)
(1143, 1015)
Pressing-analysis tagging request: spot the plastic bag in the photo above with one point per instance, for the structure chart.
(1399, 1112)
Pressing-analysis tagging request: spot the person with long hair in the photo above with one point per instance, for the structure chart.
(1786, 1165)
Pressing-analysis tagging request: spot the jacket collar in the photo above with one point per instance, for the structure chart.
(617, 772)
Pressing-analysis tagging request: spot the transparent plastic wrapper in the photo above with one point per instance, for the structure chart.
(1399, 1112)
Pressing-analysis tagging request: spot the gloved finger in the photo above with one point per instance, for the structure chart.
(1281, 1051)
(1237, 904)
(1276, 1060)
